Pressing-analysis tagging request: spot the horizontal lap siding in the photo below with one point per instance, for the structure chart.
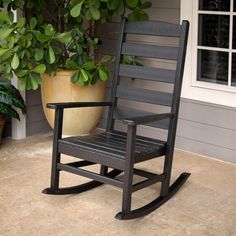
(203, 128)
(207, 129)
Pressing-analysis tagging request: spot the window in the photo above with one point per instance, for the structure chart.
(216, 46)
(210, 71)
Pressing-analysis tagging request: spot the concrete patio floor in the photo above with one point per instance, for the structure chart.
(206, 205)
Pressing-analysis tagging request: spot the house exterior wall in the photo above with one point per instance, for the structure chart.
(35, 119)
(204, 128)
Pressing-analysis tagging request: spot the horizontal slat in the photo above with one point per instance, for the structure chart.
(156, 28)
(119, 144)
(145, 174)
(147, 183)
(144, 95)
(123, 139)
(91, 154)
(93, 145)
(151, 51)
(81, 163)
(147, 73)
(123, 112)
(113, 144)
(139, 138)
(89, 174)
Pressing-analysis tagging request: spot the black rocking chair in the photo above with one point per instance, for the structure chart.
(120, 151)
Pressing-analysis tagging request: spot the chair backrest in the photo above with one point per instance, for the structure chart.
(123, 91)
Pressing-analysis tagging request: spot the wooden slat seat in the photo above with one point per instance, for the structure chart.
(113, 145)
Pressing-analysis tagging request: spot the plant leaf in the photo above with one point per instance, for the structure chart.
(106, 58)
(39, 53)
(49, 30)
(132, 3)
(63, 37)
(84, 75)
(120, 10)
(75, 77)
(11, 96)
(89, 65)
(70, 64)
(3, 51)
(50, 55)
(21, 73)
(41, 68)
(21, 22)
(5, 17)
(75, 11)
(95, 13)
(146, 5)
(139, 15)
(33, 82)
(4, 33)
(33, 22)
(43, 38)
(15, 62)
(112, 4)
(8, 111)
(102, 75)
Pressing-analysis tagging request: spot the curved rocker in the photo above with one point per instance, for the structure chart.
(80, 188)
(142, 211)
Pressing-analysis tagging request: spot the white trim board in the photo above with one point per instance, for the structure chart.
(18, 127)
(200, 91)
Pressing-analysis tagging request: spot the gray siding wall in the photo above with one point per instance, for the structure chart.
(35, 119)
(203, 128)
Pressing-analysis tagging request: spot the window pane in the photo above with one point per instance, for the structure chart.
(214, 5)
(212, 67)
(234, 5)
(213, 31)
(234, 33)
(234, 70)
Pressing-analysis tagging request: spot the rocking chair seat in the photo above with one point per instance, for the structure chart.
(112, 145)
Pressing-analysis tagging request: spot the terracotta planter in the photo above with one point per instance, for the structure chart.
(2, 124)
(57, 88)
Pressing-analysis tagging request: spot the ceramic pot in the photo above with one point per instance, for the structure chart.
(58, 88)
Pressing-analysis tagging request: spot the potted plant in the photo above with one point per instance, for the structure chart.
(10, 99)
(56, 49)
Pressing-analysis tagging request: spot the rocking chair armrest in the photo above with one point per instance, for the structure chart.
(77, 105)
(147, 119)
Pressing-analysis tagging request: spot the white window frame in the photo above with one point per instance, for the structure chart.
(193, 89)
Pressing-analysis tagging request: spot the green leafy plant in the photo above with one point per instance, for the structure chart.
(42, 42)
(10, 99)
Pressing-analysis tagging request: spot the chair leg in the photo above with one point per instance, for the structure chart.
(103, 170)
(128, 172)
(55, 173)
(165, 187)
(127, 190)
